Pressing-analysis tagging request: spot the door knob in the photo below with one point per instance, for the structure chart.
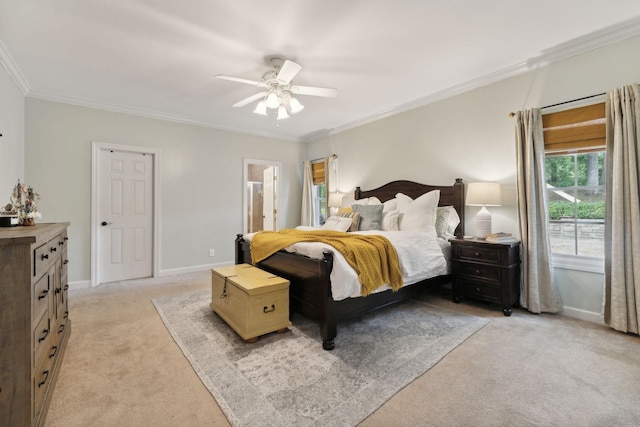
(103, 223)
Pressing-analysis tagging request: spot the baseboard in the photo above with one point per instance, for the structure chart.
(192, 269)
(578, 313)
(80, 284)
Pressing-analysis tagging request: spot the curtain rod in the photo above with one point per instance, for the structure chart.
(566, 102)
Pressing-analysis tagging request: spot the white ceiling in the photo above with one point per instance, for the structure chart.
(158, 58)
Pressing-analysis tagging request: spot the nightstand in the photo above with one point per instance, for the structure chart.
(486, 271)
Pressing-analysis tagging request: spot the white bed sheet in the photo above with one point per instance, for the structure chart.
(421, 255)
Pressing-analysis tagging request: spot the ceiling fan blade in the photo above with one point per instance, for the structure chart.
(314, 91)
(239, 80)
(288, 72)
(250, 99)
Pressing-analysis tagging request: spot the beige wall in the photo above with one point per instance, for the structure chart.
(471, 136)
(201, 173)
(12, 140)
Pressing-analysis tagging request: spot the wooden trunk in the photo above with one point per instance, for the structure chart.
(252, 301)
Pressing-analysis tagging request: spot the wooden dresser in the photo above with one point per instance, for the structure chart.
(34, 319)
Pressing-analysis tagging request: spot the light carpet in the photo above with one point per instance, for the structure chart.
(287, 379)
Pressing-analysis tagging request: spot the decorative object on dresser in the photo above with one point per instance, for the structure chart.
(23, 205)
(252, 301)
(483, 194)
(486, 271)
(34, 319)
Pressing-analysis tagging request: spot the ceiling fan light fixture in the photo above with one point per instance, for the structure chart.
(272, 101)
(295, 106)
(261, 108)
(282, 113)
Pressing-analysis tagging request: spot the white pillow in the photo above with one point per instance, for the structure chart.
(390, 220)
(447, 219)
(349, 200)
(337, 223)
(418, 214)
(390, 205)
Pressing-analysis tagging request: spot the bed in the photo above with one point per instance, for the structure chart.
(310, 279)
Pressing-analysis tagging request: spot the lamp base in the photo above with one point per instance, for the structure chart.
(483, 223)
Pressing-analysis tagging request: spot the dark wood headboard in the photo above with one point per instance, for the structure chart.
(452, 195)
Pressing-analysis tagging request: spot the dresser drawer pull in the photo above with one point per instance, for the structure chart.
(45, 332)
(61, 242)
(478, 272)
(478, 254)
(54, 350)
(61, 329)
(53, 249)
(66, 287)
(269, 310)
(66, 315)
(45, 376)
(45, 256)
(66, 261)
(57, 291)
(478, 290)
(43, 294)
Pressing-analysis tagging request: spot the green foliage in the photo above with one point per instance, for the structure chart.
(575, 169)
(585, 210)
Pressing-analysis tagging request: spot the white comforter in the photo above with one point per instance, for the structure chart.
(421, 256)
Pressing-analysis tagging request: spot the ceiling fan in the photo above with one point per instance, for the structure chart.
(277, 93)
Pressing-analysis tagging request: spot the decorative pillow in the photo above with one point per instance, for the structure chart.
(370, 216)
(337, 223)
(390, 220)
(390, 205)
(349, 200)
(355, 218)
(418, 214)
(447, 219)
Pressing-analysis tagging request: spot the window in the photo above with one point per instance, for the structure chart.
(319, 193)
(575, 178)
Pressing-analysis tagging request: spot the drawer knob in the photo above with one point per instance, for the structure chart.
(53, 249)
(43, 294)
(269, 310)
(478, 254)
(45, 332)
(54, 350)
(45, 375)
(45, 256)
(478, 290)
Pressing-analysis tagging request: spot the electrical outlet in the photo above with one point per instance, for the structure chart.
(212, 252)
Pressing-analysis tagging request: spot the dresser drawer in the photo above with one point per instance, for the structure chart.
(485, 254)
(42, 378)
(41, 297)
(41, 260)
(480, 270)
(42, 337)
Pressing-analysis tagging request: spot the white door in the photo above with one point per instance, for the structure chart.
(125, 235)
(268, 200)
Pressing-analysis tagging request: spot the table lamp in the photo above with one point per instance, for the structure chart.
(483, 194)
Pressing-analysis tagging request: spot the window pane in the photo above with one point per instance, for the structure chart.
(576, 202)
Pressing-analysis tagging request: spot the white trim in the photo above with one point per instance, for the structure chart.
(578, 313)
(95, 197)
(579, 263)
(80, 284)
(12, 69)
(245, 194)
(192, 269)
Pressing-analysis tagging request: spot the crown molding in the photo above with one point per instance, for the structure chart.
(148, 114)
(12, 69)
(557, 53)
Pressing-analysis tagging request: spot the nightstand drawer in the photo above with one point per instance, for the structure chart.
(486, 254)
(480, 270)
(481, 290)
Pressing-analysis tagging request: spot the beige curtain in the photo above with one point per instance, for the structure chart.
(622, 224)
(538, 292)
(306, 217)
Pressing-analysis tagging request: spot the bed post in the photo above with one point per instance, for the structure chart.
(239, 252)
(328, 320)
(458, 202)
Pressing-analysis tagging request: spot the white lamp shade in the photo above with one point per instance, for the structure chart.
(484, 194)
(295, 105)
(282, 112)
(335, 200)
(261, 108)
(272, 101)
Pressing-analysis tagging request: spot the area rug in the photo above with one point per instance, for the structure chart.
(287, 379)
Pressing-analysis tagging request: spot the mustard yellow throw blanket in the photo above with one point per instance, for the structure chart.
(373, 257)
